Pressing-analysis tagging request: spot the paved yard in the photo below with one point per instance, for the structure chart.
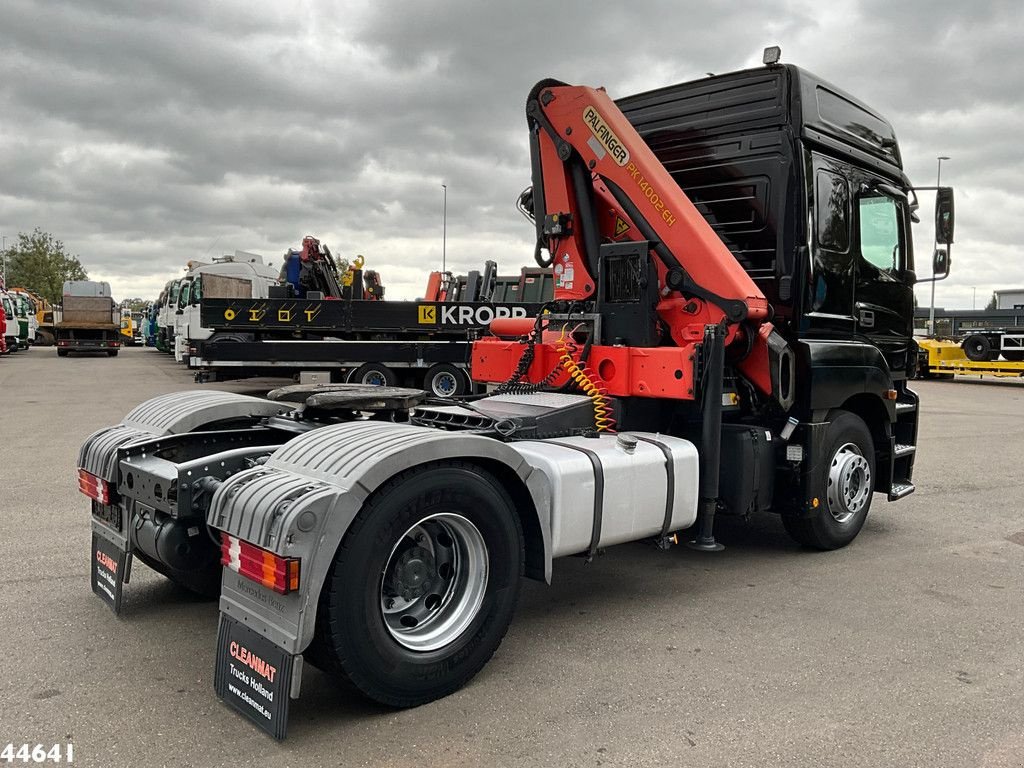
(904, 649)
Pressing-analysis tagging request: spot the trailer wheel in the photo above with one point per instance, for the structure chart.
(844, 486)
(373, 373)
(445, 380)
(977, 348)
(423, 586)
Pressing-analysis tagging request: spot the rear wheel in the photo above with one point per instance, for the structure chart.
(843, 486)
(445, 380)
(112, 352)
(977, 348)
(423, 586)
(62, 353)
(373, 373)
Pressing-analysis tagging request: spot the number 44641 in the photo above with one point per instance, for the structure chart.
(26, 753)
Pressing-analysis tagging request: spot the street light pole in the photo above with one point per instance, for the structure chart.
(444, 228)
(935, 244)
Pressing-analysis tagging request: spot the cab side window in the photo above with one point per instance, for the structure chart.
(833, 211)
(879, 232)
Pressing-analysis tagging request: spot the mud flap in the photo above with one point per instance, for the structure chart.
(108, 572)
(254, 676)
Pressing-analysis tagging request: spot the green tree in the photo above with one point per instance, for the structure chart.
(41, 263)
(992, 303)
(134, 304)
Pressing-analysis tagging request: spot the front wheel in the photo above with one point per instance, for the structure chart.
(843, 487)
(423, 586)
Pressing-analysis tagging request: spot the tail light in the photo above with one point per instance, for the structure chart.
(95, 488)
(280, 574)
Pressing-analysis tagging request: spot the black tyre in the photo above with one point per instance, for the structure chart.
(373, 373)
(423, 586)
(1014, 355)
(844, 486)
(445, 380)
(112, 352)
(977, 348)
(62, 353)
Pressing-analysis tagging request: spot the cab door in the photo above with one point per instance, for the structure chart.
(829, 303)
(884, 270)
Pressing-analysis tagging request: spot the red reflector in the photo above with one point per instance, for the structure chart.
(94, 487)
(280, 574)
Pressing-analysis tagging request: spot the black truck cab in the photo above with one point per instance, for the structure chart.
(805, 185)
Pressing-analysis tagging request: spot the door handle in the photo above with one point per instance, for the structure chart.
(866, 318)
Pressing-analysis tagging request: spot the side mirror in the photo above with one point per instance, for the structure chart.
(179, 312)
(944, 216)
(940, 263)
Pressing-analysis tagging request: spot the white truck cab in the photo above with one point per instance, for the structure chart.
(28, 306)
(11, 331)
(242, 275)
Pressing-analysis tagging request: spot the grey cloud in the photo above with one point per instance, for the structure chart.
(143, 133)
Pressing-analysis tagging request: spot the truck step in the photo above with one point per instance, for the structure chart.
(903, 450)
(901, 488)
(902, 408)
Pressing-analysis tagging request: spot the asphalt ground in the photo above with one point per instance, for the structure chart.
(904, 649)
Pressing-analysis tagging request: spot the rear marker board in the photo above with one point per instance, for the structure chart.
(253, 676)
(107, 572)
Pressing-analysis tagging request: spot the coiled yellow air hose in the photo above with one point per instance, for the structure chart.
(588, 381)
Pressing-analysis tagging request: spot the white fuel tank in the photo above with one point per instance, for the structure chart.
(614, 488)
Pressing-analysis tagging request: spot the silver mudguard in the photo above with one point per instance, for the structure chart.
(168, 415)
(302, 501)
(156, 418)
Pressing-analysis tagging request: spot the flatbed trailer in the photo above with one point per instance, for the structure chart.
(409, 343)
(944, 358)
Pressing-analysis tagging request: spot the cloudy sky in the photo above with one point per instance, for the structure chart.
(144, 134)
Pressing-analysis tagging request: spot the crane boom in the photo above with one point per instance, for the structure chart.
(596, 183)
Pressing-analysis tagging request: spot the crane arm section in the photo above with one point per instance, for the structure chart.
(592, 165)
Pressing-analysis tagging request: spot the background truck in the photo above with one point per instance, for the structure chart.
(730, 333)
(422, 343)
(11, 328)
(241, 276)
(87, 319)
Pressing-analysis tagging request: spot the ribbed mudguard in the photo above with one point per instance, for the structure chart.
(98, 454)
(352, 459)
(168, 415)
(184, 411)
(303, 500)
